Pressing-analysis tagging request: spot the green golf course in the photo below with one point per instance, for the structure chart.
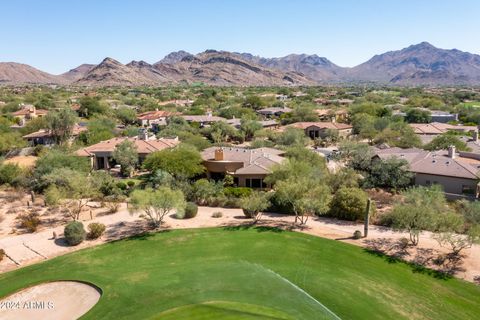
(250, 273)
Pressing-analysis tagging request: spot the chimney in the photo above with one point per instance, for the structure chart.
(143, 134)
(219, 154)
(451, 152)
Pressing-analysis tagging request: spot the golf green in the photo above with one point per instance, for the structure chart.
(250, 273)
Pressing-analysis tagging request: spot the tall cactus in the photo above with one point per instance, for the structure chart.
(367, 218)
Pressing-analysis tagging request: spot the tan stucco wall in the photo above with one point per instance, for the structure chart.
(449, 184)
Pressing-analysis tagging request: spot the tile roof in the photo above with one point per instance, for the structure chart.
(255, 161)
(143, 146)
(29, 109)
(321, 125)
(154, 115)
(43, 133)
(435, 162)
(203, 118)
(438, 128)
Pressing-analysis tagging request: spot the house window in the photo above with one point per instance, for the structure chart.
(248, 183)
(468, 189)
(256, 183)
(235, 181)
(428, 182)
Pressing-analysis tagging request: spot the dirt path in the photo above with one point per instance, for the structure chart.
(27, 249)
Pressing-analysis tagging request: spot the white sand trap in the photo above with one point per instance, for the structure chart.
(59, 300)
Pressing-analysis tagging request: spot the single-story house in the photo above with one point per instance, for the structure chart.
(157, 117)
(27, 113)
(436, 128)
(274, 111)
(457, 172)
(249, 167)
(45, 137)
(100, 154)
(332, 115)
(316, 130)
(235, 122)
(436, 115)
(202, 119)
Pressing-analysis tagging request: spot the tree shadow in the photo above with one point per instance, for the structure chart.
(253, 227)
(61, 242)
(421, 260)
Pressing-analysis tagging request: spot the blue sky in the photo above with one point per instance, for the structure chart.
(57, 35)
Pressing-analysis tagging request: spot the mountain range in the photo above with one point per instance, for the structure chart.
(420, 64)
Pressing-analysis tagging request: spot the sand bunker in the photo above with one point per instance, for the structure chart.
(60, 300)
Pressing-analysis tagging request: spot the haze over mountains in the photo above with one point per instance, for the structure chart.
(421, 64)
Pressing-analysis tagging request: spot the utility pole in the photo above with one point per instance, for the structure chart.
(367, 218)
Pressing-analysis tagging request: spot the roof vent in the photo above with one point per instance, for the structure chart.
(434, 161)
(447, 163)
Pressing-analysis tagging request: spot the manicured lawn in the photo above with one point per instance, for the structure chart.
(238, 273)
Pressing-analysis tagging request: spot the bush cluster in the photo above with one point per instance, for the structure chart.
(95, 230)
(29, 221)
(191, 210)
(74, 233)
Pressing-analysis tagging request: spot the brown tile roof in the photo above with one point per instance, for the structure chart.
(435, 162)
(29, 109)
(321, 125)
(157, 114)
(203, 118)
(42, 133)
(255, 161)
(143, 146)
(439, 128)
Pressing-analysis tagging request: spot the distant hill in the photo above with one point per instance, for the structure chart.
(210, 67)
(316, 68)
(78, 72)
(420, 64)
(13, 73)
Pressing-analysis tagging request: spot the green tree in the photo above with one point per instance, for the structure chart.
(254, 204)
(417, 115)
(204, 189)
(126, 155)
(154, 205)
(422, 208)
(182, 162)
(11, 141)
(126, 115)
(61, 124)
(446, 140)
(76, 189)
(305, 196)
(90, 106)
(249, 127)
(391, 173)
(349, 204)
(291, 137)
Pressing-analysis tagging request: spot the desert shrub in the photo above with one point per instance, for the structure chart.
(357, 234)
(9, 173)
(131, 183)
(2, 254)
(349, 204)
(191, 210)
(403, 243)
(53, 196)
(113, 202)
(217, 214)
(122, 185)
(74, 233)
(237, 192)
(95, 230)
(29, 221)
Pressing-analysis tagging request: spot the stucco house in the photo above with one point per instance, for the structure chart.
(457, 172)
(100, 154)
(27, 113)
(316, 130)
(249, 167)
(203, 120)
(45, 137)
(274, 111)
(154, 118)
